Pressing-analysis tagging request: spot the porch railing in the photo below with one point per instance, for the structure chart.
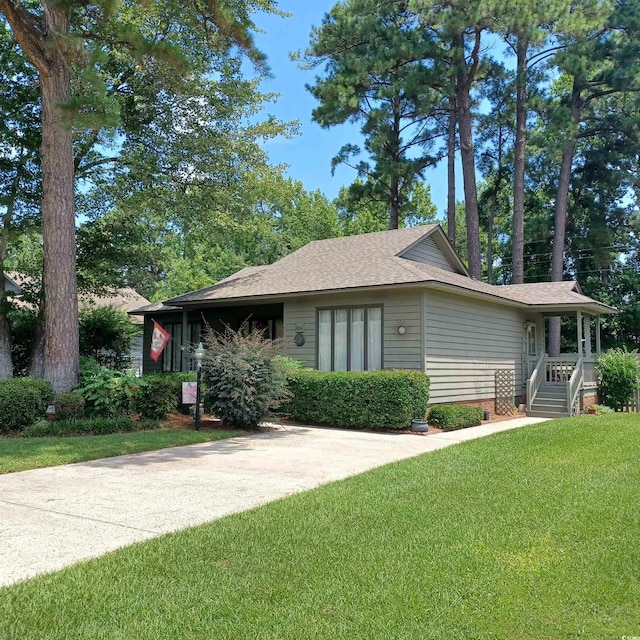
(576, 380)
(535, 380)
(560, 369)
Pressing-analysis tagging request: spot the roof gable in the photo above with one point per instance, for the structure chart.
(435, 249)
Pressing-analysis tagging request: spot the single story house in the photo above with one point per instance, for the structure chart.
(399, 299)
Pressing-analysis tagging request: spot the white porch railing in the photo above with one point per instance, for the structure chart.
(574, 386)
(534, 380)
(560, 369)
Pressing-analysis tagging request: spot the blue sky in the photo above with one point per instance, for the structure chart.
(309, 154)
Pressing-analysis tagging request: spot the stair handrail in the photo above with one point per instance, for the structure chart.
(575, 384)
(535, 380)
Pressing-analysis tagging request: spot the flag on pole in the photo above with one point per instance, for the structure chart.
(159, 339)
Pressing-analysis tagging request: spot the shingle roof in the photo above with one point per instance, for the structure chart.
(368, 260)
(339, 263)
(153, 307)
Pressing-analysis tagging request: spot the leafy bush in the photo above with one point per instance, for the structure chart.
(107, 393)
(159, 394)
(455, 416)
(618, 370)
(24, 325)
(358, 399)
(106, 335)
(22, 402)
(86, 427)
(598, 409)
(69, 404)
(243, 379)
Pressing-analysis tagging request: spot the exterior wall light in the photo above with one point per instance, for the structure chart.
(402, 330)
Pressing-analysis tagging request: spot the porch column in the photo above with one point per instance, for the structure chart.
(579, 323)
(598, 336)
(587, 336)
(184, 365)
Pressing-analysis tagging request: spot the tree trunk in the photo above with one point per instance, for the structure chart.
(517, 240)
(560, 221)
(451, 173)
(466, 74)
(36, 357)
(61, 348)
(394, 203)
(394, 186)
(470, 189)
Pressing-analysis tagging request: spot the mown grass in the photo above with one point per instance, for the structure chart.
(19, 454)
(531, 533)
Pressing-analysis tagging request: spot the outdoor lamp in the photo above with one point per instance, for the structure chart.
(402, 330)
(199, 355)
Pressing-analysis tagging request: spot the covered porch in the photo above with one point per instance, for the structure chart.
(561, 386)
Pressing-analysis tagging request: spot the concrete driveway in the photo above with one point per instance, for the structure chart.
(51, 518)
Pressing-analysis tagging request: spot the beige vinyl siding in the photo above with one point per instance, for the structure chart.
(399, 309)
(466, 341)
(428, 251)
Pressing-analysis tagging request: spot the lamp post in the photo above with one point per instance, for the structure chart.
(199, 354)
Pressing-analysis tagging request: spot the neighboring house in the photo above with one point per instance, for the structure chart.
(399, 299)
(125, 299)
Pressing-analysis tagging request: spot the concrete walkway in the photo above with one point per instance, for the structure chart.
(51, 518)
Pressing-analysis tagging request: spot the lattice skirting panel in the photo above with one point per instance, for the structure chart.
(505, 391)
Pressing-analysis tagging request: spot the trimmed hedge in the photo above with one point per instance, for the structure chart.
(86, 427)
(455, 416)
(69, 405)
(358, 399)
(22, 402)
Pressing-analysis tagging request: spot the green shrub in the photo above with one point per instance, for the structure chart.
(69, 404)
(161, 393)
(601, 409)
(22, 402)
(107, 393)
(244, 381)
(86, 427)
(618, 369)
(455, 416)
(363, 399)
(106, 335)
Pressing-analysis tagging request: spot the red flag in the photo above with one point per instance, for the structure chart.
(159, 339)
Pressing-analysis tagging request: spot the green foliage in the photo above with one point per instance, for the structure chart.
(107, 393)
(23, 325)
(379, 73)
(599, 409)
(244, 381)
(69, 405)
(86, 427)
(22, 402)
(455, 416)
(618, 369)
(106, 335)
(160, 394)
(358, 399)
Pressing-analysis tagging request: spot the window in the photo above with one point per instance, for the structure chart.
(172, 354)
(272, 328)
(532, 350)
(350, 339)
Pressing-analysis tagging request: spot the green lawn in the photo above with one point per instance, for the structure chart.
(18, 454)
(533, 533)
